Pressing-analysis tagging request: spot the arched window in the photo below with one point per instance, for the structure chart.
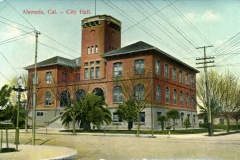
(99, 92)
(80, 94)
(117, 94)
(139, 92)
(48, 98)
(181, 98)
(175, 96)
(64, 98)
(158, 93)
(167, 96)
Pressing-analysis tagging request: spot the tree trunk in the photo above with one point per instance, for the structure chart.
(174, 124)
(228, 125)
(130, 125)
(237, 123)
(73, 125)
(138, 125)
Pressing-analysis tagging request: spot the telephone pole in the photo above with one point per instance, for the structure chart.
(34, 89)
(205, 66)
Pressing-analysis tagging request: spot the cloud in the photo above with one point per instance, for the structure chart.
(206, 16)
(210, 16)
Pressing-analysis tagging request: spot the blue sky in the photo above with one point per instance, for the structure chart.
(175, 26)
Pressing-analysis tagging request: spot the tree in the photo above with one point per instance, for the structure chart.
(129, 112)
(162, 120)
(173, 114)
(224, 94)
(186, 123)
(136, 90)
(5, 93)
(91, 109)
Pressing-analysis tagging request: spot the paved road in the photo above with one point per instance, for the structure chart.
(129, 147)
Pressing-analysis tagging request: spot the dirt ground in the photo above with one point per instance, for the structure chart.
(130, 147)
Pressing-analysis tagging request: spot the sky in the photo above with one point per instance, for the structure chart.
(174, 26)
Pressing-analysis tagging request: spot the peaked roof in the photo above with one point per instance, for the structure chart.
(57, 61)
(142, 46)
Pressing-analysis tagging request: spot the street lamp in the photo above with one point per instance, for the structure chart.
(18, 89)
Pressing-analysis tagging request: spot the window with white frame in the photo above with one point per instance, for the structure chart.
(158, 93)
(117, 69)
(96, 49)
(92, 49)
(174, 74)
(89, 50)
(117, 94)
(139, 92)
(181, 98)
(39, 113)
(85, 73)
(48, 99)
(142, 117)
(92, 73)
(48, 78)
(117, 118)
(97, 72)
(187, 100)
(139, 66)
(180, 77)
(175, 97)
(166, 71)
(157, 67)
(167, 95)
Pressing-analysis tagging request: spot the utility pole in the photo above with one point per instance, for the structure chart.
(205, 66)
(34, 90)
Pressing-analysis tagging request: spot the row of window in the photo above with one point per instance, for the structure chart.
(92, 49)
(94, 73)
(139, 95)
(139, 68)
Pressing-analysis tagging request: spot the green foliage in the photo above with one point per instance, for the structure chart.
(89, 110)
(4, 95)
(128, 111)
(173, 114)
(162, 120)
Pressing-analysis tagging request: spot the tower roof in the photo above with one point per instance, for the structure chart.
(100, 18)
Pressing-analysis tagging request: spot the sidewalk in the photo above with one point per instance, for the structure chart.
(29, 152)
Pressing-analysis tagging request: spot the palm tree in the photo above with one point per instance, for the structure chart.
(90, 109)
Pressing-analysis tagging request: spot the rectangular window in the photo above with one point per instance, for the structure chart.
(92, 73)
(97, 72)
(166, 71)
(39, 113)
(86, 73)
(117, 69)
(48, 79)
(139, 66)
(175, 97)
(92, 63)
(142, 117)
(93, 49)
(187, 80)
(97, 62)
(181, 98)
(180, 77)
(157, 67)
(86, 64)
(116, 118)
(89, 50)
(187, 100)
(174, 74)
(96, 49)
(167, 95)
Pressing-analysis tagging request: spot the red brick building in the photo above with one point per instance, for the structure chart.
(104, 65)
